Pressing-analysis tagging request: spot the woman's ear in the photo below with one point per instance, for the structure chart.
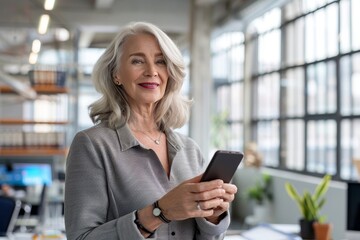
(117, 81)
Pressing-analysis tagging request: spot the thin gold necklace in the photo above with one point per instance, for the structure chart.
(156, 141)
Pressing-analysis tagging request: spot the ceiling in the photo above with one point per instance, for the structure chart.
(93, 22)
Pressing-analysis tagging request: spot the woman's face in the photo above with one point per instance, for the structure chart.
(143, 72)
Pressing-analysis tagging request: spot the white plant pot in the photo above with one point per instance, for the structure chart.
(262, 213)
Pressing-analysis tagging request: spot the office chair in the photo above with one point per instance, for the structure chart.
(9, 210)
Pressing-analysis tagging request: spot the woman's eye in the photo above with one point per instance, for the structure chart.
(137, 61)
(161, 61)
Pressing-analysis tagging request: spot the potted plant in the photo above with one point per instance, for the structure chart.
(322, 230)
(261, 193)
(310, 205)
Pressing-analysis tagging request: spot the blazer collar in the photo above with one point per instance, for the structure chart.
(127, 140)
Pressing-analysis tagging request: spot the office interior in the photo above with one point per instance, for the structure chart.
(276, 79)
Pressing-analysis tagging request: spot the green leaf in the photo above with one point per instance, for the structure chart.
(321, 203)
(322, 188)
(292, 192)
(294, 195)
(310, 206)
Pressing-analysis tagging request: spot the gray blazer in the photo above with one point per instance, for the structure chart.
(109, 175)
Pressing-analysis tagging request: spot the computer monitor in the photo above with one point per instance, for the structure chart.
(25, 174)
(353, 211)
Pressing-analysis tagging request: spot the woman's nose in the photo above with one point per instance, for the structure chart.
(151, 70)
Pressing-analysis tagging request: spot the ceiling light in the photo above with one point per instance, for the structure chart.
(33, 58)
(44, 23)
(36, 45)
(62, 34)
(49, 5)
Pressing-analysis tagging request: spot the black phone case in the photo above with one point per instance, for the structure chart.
(222, 166)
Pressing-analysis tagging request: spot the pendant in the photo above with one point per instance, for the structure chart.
(157, 142)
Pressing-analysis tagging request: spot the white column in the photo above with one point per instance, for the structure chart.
(200, 74)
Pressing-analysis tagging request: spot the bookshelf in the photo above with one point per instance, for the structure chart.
(31, 128)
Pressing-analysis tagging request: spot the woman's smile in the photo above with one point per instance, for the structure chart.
(149, 85)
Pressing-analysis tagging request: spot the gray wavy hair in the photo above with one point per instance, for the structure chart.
(172, 111)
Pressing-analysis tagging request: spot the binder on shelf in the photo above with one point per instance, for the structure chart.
(40, 77)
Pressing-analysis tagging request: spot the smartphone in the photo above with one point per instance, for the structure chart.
(222, 165)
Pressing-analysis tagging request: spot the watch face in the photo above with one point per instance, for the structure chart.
(156, 212)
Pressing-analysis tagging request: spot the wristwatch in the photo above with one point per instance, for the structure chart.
(158, 213)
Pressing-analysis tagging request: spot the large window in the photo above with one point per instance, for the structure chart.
(305, 86)
(266, 81)
(228, 74)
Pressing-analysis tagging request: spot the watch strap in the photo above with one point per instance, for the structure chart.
(140, 226)
(161, 216)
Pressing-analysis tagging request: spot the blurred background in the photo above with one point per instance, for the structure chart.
(280, 78)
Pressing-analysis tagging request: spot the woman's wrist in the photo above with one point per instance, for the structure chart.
(144, 231)
(148, 220)
(216, 219)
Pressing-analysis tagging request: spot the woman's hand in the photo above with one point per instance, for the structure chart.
(198, 199)
(228, 197)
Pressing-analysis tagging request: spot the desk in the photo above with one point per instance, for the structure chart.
(52, 229)
(32, 236)
(266, 231)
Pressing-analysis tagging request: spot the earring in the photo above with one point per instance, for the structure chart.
(117, 82)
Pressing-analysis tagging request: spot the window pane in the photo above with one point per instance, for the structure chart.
(237, 106)
(350, 85)
(355, 83)
(268, 21)
(293, 9)
(309, 38)
(268, 142)
(236, 61)
(344, 25)
(293, 143)
(311, 89)
(321, 146)
(322, 88)
(331, 87)
(293, 93)
(268, 96)
(269, 51)
(345, 75)
(355, 30)
(219, 67)
(350, 142)
(236, 141)
(219, 131)
(299, 42)
(320, 43)
(332, 29)
(88, 57)
(223, 99)
(228, 57)
(309, 5)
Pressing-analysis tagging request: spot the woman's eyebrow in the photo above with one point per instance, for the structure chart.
(140, 54)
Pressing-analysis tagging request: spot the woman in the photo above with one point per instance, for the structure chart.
(131, 176)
